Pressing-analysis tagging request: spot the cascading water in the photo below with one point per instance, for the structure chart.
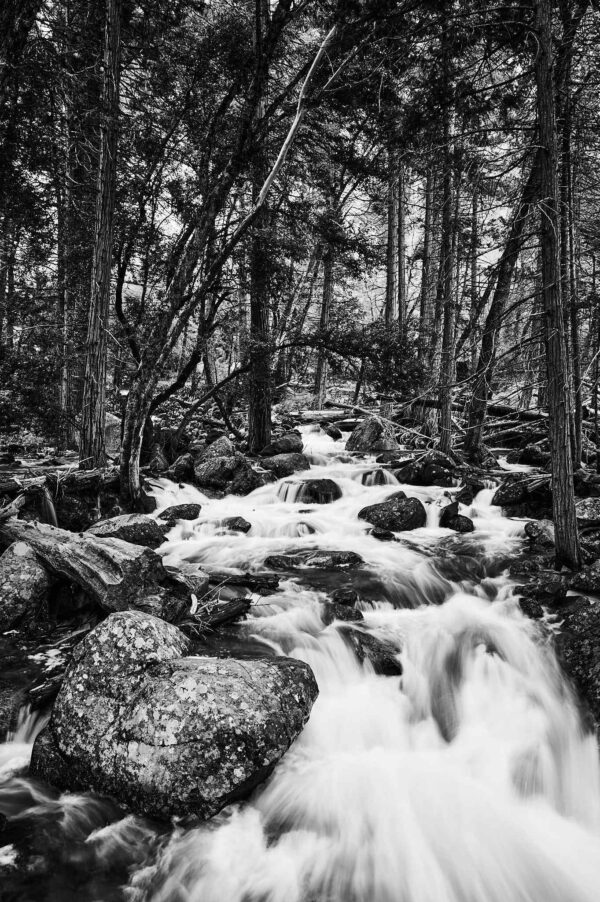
(467, 779)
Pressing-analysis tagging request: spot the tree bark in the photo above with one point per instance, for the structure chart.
(446, 296)
(91, 447)
(563, 499)
(259, 412)
(493, 323)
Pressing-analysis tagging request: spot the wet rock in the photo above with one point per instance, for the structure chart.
(282, 465)
(12, 699)
(397, 514)
(466, 495)
(524, 496)
(139, 529)
(382, 655)
(531, 608)
(246, 479)
(531, 455)
(318, 491)
(431, 468)
(371, 436)
(330, 612)
(171, 515)
(451, 519)
(237, 524)
(587, 511)
(316, 560)
(182, 470)
(165, 734)
(345, 596)
(383, 535)
(333, 432)
(374, 477)
(290, 443)
(218, 472)
(221, 447)
(578, 649)
(540, 533)
(24, 586)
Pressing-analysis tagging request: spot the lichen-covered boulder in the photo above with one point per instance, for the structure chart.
(397, 514)
(165, 734)
(587, 511)
(221, 447)
(286, 464)
(24, 585)
(138, 529)
(290, 443)
(218, 472)
(371, 436)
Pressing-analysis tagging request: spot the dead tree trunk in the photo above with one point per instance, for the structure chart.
(563, 499)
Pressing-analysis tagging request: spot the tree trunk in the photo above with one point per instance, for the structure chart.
(446, 284)
(425, 295)
(563, 499)
(91, 447)
(391, 282)
(321, 371)
(493, 323)
(259, 412)
(402, 288)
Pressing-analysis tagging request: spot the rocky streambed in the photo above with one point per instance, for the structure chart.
(314, 681)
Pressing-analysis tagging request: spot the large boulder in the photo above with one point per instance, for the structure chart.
(139, 529)
(218, 472)
(431, 468)
(316, 560)
(524, 496)
(290, 443)
(371, 436)
(397, 514)
(169, 735)
(286, 464)
(221, 447)
(24, 585)
(182, 470)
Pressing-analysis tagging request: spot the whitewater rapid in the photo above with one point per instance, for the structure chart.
(469, 778)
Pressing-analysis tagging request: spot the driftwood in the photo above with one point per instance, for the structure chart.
(115, 574)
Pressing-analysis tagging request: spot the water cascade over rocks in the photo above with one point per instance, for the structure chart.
(444, 759)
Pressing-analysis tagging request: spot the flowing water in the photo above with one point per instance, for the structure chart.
(467, 779)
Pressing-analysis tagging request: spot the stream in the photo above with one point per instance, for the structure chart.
(469, 778)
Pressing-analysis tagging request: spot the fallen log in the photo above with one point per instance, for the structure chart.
(117, 575)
